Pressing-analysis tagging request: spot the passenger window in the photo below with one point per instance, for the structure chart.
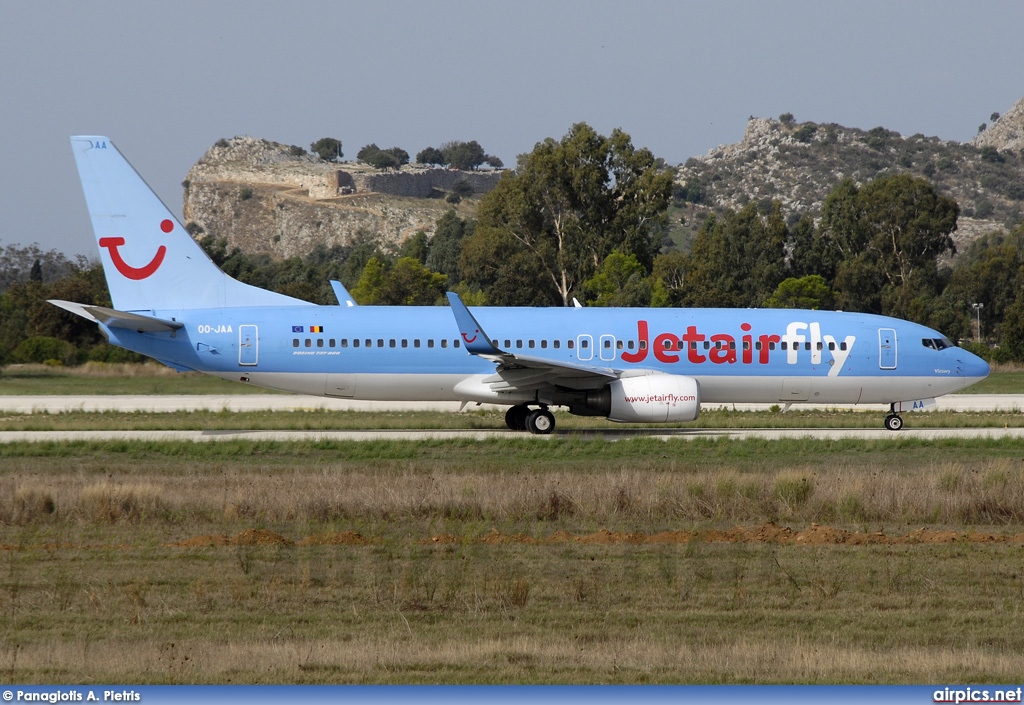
(405, 343)
(584, 343)
(430, 342)
(319, 342)
(842, 345)
(355, 342)
(456, 343)
(416, 342)
(570, 344)
(543, 344)
(508, 343)
(309, 343)
(519, 343)
(531, 343)
(444, 342)
(556, 343)
(295, 342)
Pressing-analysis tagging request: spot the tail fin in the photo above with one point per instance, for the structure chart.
(149, 259)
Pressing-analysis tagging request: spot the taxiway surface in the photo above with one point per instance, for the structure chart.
(283, 402)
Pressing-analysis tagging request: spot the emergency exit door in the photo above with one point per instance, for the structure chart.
(887, 348)
(248, 345)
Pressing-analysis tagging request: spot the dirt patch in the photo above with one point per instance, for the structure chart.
(249, 537)
(334, 538)
(260, 537)
(814, 535)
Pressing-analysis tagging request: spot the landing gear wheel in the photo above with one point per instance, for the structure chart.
(893, 422)
(515, 417)
(540, 421)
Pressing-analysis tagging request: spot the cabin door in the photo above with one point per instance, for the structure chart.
(887, 348)
(248, 345)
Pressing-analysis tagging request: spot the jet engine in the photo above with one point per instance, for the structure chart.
(656, 398)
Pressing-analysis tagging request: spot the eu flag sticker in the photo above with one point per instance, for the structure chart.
(297, 329)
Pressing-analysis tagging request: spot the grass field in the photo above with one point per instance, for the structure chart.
(568, 561)
(507, 561)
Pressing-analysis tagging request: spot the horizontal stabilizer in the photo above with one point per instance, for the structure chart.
(118, 319)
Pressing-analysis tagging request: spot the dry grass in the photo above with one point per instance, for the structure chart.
(467, 563)
(220, 496)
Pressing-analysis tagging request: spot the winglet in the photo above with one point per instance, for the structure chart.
(344, 298)
(473, 334)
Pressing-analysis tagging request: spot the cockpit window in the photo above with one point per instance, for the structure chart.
(937, 343)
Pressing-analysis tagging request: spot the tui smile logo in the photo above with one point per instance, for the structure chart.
(130, 272)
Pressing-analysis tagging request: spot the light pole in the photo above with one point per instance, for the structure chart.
(977, 313)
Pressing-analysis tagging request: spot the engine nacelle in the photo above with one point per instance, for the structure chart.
(656, 398)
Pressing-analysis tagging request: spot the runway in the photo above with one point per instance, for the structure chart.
(294, 402)
(679, 434)
(284, 403)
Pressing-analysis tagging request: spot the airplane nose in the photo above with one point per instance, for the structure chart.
(973, 366)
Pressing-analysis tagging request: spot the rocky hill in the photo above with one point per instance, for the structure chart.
(265, 197)
(799, 163)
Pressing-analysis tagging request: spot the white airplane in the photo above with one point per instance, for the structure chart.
(172, 303)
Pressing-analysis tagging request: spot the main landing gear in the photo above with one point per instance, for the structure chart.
(522, 418)
(893, 421)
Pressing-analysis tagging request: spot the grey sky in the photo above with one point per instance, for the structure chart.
(165, 80)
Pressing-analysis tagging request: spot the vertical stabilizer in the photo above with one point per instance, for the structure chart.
(149, 259)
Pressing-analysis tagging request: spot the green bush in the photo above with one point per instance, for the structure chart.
(43, 349)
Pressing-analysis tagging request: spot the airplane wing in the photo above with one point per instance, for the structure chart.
(524, 372)
(118, 319)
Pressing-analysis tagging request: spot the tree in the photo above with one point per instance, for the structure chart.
(571, 203)
(621, 281)
(327, 148)
(446, 245)
(371, 283)
(430, 155)
(737, 259)
(417, 246)
(463, 155)
(391, 158)
(883, 241)
(803, 292)
(407, 283)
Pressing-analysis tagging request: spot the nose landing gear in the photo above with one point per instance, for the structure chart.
(893, 421)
